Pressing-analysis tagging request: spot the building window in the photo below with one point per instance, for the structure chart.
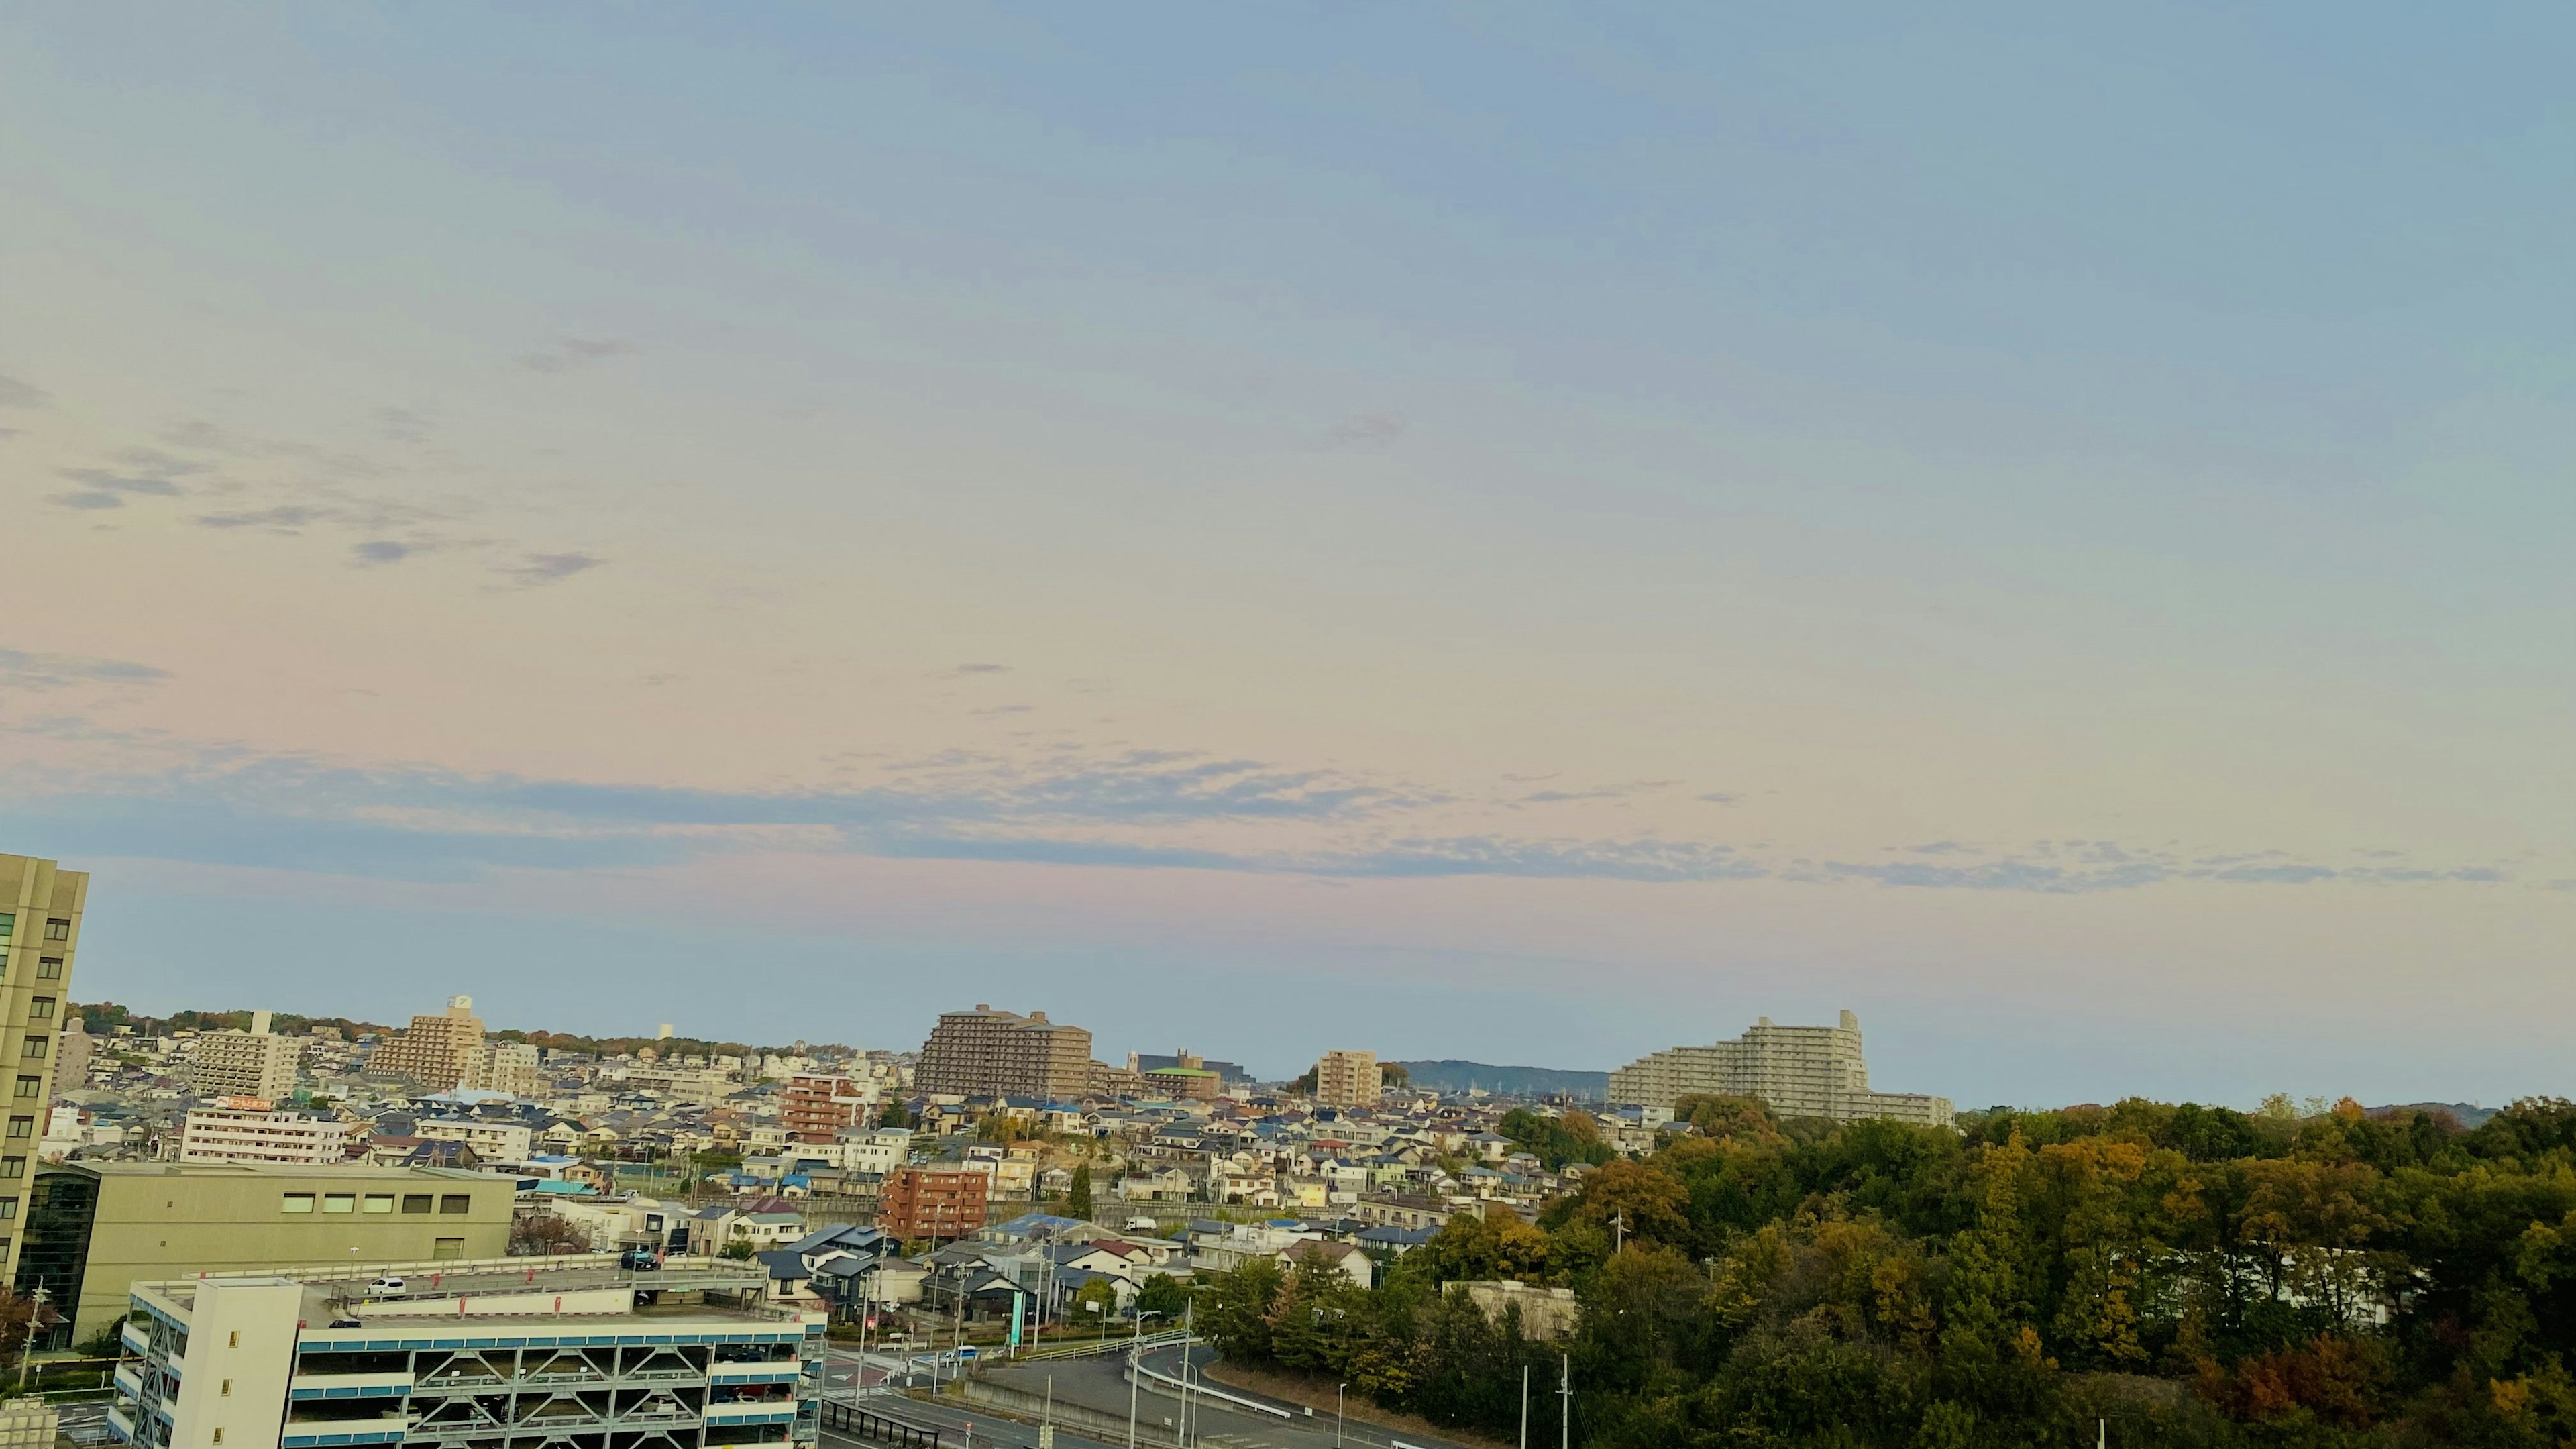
(415, 1202)
(8, 1207)
(34, 1050)
(296, 1202)
(449, 1248)
(13, 1167)
(58, 929)
(380, 1202)
(219, 1435)
(49, 968)
(41, 1009)
(340, 1202)
(31, 1086)
(456, 1202)
(22, 1126)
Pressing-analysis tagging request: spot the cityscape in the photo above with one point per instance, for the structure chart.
(1314, 726)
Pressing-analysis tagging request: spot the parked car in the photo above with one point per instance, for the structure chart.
(640, 1260)
(387, 1287)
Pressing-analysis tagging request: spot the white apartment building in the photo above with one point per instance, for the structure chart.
(1797, 1071)
(505, 1066)
(880, 1150)
(253, 1063)
(244, 1129)
(490, 1141)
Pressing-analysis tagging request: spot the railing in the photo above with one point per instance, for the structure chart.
(1112, 1344)
(1165, 1383)
(853, 1419)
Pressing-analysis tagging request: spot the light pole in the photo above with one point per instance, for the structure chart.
(1524, 1406)
(1136, 1368)
(1337, 1414)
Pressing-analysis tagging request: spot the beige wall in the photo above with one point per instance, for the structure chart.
(157, 1220)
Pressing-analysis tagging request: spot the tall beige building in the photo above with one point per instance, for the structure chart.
(505, 1066)
(439, 1052)
(1349, 1079)
(253, 1063)
(40, 919)
(1004, 1054)
(1797, 1071)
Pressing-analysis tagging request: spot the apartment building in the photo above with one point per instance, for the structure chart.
(248, 1129)
(1797, 1071)
(988, 1053)
(933, 1202)
(1349, 1079)
(253, 1063)
(489, 1141)
(92, 1228)
(817, 1107)
(508, 1067)
(520, 1351)
(439, 1052)
(40, 923)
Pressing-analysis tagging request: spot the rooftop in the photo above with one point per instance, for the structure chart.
(588, 1292)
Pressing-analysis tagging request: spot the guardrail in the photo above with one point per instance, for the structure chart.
(1136, 1365)
(1099, 1345)
(853, 1419)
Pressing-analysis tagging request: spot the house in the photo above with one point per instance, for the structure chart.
(1343, 1258)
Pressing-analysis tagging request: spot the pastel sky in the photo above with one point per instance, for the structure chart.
(1529, 534)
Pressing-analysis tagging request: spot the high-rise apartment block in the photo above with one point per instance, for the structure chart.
(505, 1066)
(933, 1202)
(40, 919)
(988, 1053)
(1349, 1079)
(253, 1063)
(439, 1052)
(817, 1108)
(1797, 1071)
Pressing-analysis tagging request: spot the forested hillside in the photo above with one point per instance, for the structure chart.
(2195, 1275)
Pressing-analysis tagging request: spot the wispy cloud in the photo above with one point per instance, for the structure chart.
(564, 354)
(17, 394)
(139, 472)
(1367, 430)
(538, 569)
(24, 671)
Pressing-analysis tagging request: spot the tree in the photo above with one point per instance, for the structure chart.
(1077, 1198)
(1163, 1294)
(545, 1234)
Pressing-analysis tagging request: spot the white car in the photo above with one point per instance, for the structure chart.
(386, 1287)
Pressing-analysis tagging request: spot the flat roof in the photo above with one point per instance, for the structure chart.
(354, 1171)
(334, 1294)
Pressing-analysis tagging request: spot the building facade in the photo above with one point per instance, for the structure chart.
(1797, 1071)
(439, 1052)
(92, 1228)
(1349, 1079)
(933, 1202)
(988, 1053)
(247, 1129)
(818, 1108)
(253, 1063)
(504, 1066)
(521, 1353)
(40, 924)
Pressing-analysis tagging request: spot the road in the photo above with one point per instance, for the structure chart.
(1099, 1384)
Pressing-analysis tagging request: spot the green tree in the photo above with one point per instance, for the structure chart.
(1077, 1198)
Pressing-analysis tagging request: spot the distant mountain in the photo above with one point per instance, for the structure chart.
(2471, 1115)
(1509, 1081)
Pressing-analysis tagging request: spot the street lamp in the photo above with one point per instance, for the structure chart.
(1136, 1368)
(1337, 1415)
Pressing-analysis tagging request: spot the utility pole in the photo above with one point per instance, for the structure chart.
(1565, 1421)
(1524, 1406)
(1618, 1231)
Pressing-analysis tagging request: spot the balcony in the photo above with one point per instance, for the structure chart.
(135, 1340)
(129, 1381)
(120, 1425)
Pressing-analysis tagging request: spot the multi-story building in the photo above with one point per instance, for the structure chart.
(40, 921)
(817, 1107)
(253, 1063)
(439, 1052)
(489, 1141)
(1348, 1079)
(515, 1353)
(1797, 1071)
(877, 1150)
(91, 1228)
(933, 1202)
(508, 1067)
(248, 1129)
(988, 1053)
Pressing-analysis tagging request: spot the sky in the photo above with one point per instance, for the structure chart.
(1528, 534)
